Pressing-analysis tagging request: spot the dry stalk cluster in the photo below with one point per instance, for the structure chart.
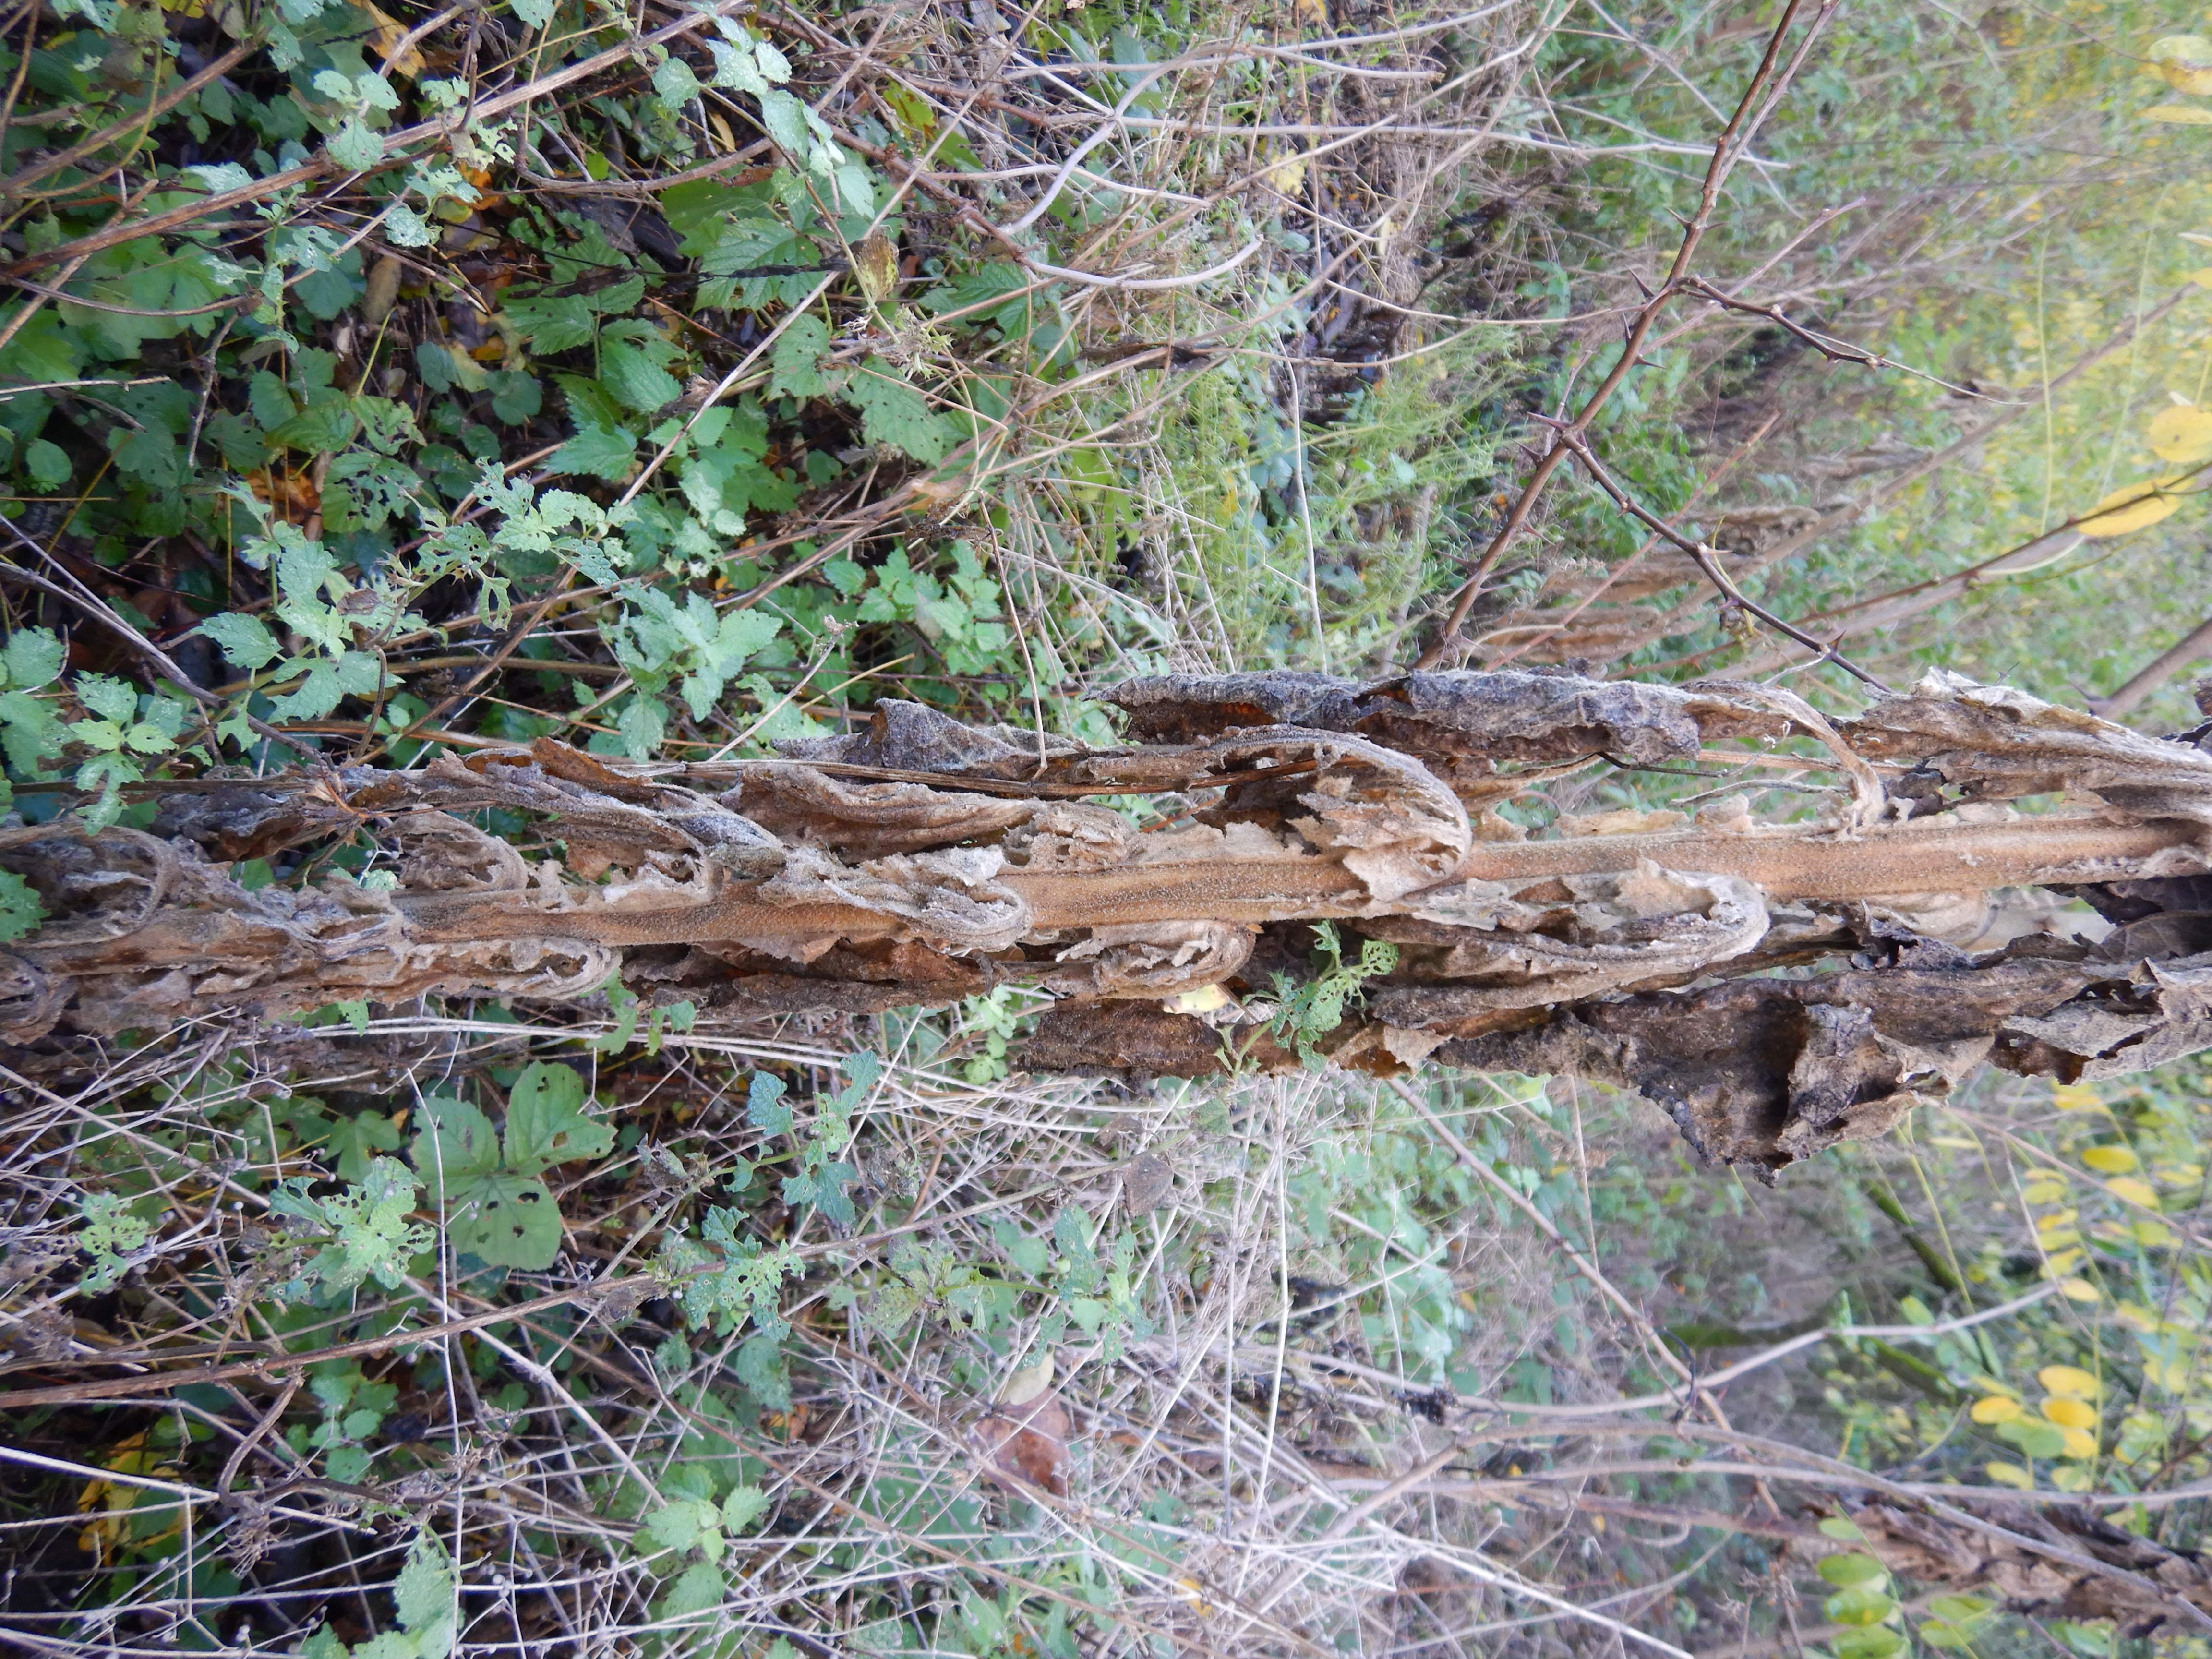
(920, 861)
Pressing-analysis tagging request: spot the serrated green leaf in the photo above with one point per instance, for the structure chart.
(742, 1508)
(425, 1596)
(798, 359)
(598, 452)
(353, 1141)
(559, 323)
(677, 1526)
(245, 639)
(765, 1109)
(32, 658)
(700, 1587)
(629, 372)
(546, 1123)
(893, 413)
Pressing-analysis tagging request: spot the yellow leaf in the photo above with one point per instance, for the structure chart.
(2043, 1192)
(2185, 60)
(1996, 1409)
(875, 264)
(2009, 1474)
(2078, 1290)
(2182, 433)
(2068, 1413)
(2076, 1097)
(2079, 1443)
(1288, 176)
(2055, 1220)
(389, 33)
(1031, 1381)
(2202, 278)
(1203, 1000)
(2137, 506)
(2111, 1160)
(2182, 115)
(2129, 1190)
(2152, 1235)
(2069, 1380)
(2062, 1264)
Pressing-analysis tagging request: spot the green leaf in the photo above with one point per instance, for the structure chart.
(245, 639)
(630, 368)
(455, 1146)
(354, 1140)
(555, 323)
(1860, 1606)
(764, 1104)
(674, 83)
(1843, 1529)
(798, 359)
(48, 464)
(21, 911)
(598, 452)
(425, 1594)
(1851, 1571)
(545, 1121)
(742, 1508)
(505, 1219)
(1880, 1642)
(700, 1587)
(893, 413)
(761, 1368)
(104, 694)
(2036, 1439)
(677, 1526)
(32, 657)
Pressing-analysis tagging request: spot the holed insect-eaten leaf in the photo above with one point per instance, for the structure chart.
(456, 1147)
(497, 1208)
(505, 1221)
(545, 1121)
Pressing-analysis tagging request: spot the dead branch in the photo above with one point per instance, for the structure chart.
(920, 860)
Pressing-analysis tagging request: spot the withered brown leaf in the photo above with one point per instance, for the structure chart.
(1025, 1446)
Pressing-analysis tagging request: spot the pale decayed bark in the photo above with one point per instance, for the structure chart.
(1776, 987)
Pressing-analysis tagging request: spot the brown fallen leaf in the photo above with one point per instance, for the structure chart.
(389, 34)
(1025, 1446)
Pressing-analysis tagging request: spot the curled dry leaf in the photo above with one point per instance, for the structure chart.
(1022, 1446)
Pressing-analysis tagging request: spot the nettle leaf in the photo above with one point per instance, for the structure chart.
(798, 359)
(456, 1145)
(750, 245)
(556, 323)
(674, 83)
(105, 695)
(760, 1366)
(631, 358)
(598, 452)
(744, 1506)
(545, 1121)
(893, 413)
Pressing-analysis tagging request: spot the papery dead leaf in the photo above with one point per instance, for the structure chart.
(1025, 1446)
